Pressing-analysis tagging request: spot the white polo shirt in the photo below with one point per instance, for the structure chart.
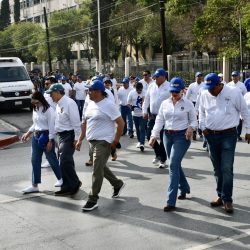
(80, 90)
(146, 84)
(67, 87)
(239, 85)
(223, 111)
(123, 95)
(175, 117)
(136, 100)
(155, 96)
(193, 91)
(67, 116)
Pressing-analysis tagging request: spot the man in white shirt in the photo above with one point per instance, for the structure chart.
(103, 126)
(80, 94)
(219, 111)
(67, 87)
(113, 80)
(124, 108)
(147, 80)
(222, 78)
(192, 94)
(158, 91)
(68, 128)
(236, 83)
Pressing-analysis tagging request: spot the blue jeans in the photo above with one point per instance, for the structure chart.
(140, 128)
(176, 146)
(80, 105)
(36, 160)
(221, 150)
(127, 118)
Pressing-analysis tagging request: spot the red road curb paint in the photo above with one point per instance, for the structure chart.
(8, 141)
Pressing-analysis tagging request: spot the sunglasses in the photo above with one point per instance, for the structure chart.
(145, 74)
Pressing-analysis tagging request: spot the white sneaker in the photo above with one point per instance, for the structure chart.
(30, 189)
(138, 145)
(45, 164)
(59, 183)
(155, 160)
(163, 165)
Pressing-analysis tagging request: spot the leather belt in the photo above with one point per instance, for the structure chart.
(221, 132)
(66, 132)
(39, 132)
(169, 131)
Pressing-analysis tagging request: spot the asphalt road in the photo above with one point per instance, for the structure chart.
(136, 220)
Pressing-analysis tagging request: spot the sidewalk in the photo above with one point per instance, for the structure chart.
(8, 134)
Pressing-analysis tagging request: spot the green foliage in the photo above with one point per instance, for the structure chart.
(17, 11)
(4, 14)
(66, 28)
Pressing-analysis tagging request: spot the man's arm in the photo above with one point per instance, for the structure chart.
(119, 131)
(82, 136)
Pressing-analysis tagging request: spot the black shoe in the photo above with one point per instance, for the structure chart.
(131, 136)
(76, 189)
(62, 193)
(89, 163)
(239, 138)
(169, 208)
(89, 206)
(117, 191)
(204, 144)
(142, 148)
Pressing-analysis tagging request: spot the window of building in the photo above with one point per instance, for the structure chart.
(36, 2)
(37, 19)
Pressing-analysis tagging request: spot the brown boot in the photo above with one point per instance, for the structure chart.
(228, 206)
(217, 202)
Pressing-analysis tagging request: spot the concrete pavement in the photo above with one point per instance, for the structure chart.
(134, 221)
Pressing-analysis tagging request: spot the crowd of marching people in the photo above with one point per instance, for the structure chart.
(69, 109)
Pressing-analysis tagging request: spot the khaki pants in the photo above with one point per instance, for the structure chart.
(101, 152)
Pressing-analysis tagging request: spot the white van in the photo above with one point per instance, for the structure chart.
(15, 84)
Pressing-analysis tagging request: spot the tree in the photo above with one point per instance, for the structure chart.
(17, 11)
(217, 30)
(67, 28)
(4, 14)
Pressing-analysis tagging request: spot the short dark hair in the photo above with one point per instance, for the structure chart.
(147, 71)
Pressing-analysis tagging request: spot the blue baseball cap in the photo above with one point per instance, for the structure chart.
(54, 88)
(125, 80)
(198, 74)
(176, 84)
(160, 72)
(96, 85)
(63, 78)
(211, 80)
(137, 79)
(235, 73)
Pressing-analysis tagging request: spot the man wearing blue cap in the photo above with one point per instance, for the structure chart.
(158, 91)
(67, 87)
(193, 91)
(102, 125)
(236, 83)
(219, 111)
(123, 93)
(68, 128)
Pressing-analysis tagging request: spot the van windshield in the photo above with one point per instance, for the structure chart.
(13, 74)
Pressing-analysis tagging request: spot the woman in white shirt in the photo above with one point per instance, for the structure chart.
(177, 115)
(43, 130)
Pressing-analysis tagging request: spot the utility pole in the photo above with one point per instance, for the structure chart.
(241, 52)
(47, 38)
(99, 37)
(163, 33)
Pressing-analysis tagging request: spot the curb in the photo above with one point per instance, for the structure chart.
(8, 141)
(10, 134)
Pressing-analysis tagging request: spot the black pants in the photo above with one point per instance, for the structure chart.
(66, 160)
(158, 147)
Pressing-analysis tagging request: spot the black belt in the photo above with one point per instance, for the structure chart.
(65, 132)
(39, 132)
(221, 132)
(169, 131)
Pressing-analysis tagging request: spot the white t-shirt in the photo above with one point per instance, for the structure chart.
(136, 100)
(100, 117)
(67, 88)
(80, 90)
(247, 99)
(123, 95)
